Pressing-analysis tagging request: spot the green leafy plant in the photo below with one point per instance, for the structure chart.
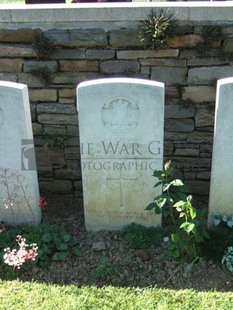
(43, 46)
(157, 29)
(228, 258)
(53, 242)
(176, 205)
(103, 269)
(141, 237)
(222, 219)
(210, 35)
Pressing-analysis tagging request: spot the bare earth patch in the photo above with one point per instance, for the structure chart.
(106, 259)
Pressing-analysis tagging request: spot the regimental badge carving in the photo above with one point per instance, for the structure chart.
(1, 117)
(120, 115)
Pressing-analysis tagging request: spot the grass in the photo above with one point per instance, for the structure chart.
(23, 295)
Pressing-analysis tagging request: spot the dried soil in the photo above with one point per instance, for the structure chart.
(125, 266)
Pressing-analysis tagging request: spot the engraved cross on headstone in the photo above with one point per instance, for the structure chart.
(121, 179)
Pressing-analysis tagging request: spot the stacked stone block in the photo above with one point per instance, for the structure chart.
(81, 54)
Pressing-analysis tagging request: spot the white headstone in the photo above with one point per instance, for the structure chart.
(221, 185)
(19, 190)
(121, 142)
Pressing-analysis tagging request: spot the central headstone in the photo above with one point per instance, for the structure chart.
(19, 191)
(121, 144)
(221, 187)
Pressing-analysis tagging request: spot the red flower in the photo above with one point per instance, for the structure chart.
(42, 203)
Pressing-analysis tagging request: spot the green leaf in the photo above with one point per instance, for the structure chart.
(187, 226)
(158, 183)
(151, 206)
(62, 246)
(61, 255)
(47, 237)
(158, 174)
(179, 204)
(158, 210)
(177, 182)
(160, 200)
(166, 186)
(76, 251)
(65, 236)
(73, 242)
(193, 213)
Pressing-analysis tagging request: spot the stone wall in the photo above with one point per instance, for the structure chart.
(53, 48)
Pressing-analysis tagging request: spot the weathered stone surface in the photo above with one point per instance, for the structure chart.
(24, 35)
(119, 66)
(204, 117)
(228, 45)
(56, 186)
(40, 66)
(73, 164)
(169, 75)
(200, 137)
(78, 65)
(11, 77)
(175, 136)
(19, 191)
(99, 246)
(73, 131)
(208, 75)
(179, 111)
(168, 148)
(72, 142)
(206, 62)
(68, 174)
(191, 163)
(123, 114)
(172, 92)
(203, 175)
(73, 77)
(32, 80)
(57, 108)
(67, 93)
(57, 119)
(163, 62)
(17, 51)
(78, 185)
(132, 54)
(187, 152)
(124, 37)
(11, 65)
(68, 53)
(189, 175)
(222, 164)
(188, 54)
(77, 37)
(99, 54)
(33, 112)
(37, 129)
(50, 157)
(199, 94)
(43, 94)
(185, 41)
(145, 70)
(180, 125)
(206, 150)
(196, 187)
(51, 130)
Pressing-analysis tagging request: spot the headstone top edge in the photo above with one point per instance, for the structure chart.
(225, 81)
(13, 85)
(120, 81)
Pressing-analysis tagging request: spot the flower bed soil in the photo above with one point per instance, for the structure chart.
(125, 266)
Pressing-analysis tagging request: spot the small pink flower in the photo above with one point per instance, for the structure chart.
(42, 203)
